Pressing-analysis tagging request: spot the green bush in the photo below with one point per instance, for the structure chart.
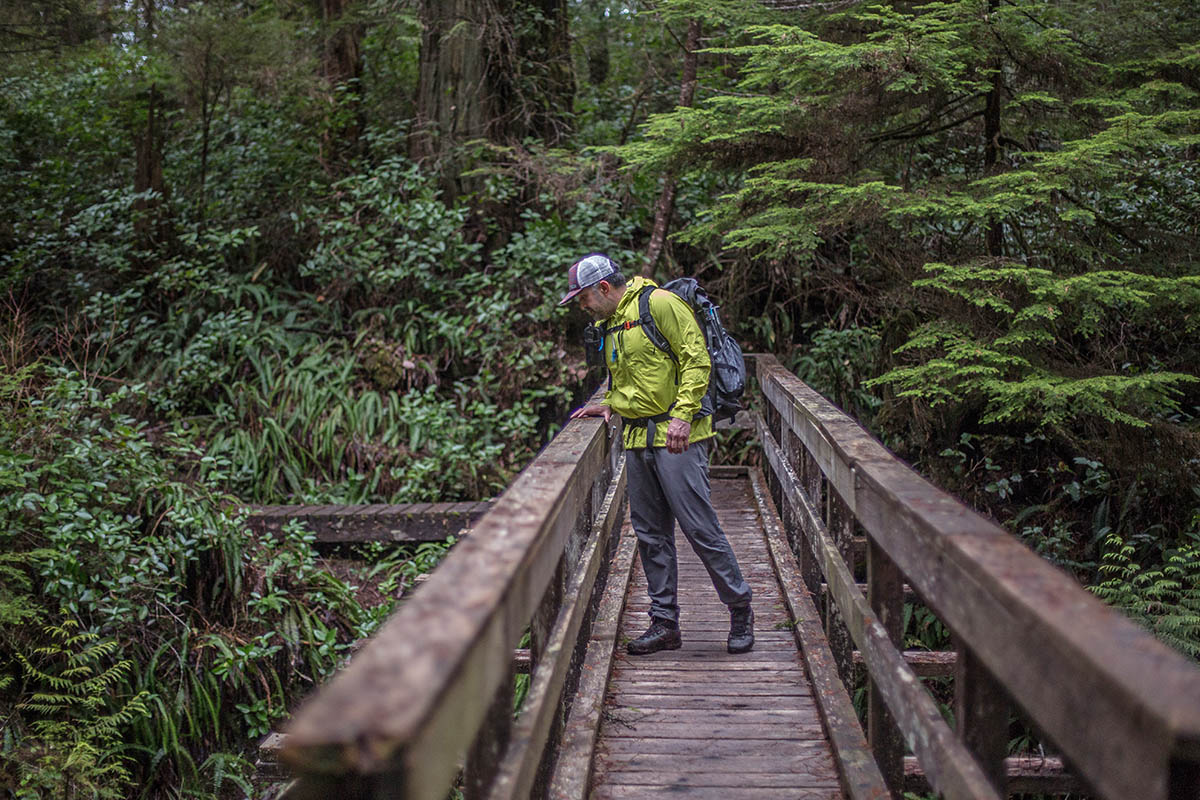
(147, 634)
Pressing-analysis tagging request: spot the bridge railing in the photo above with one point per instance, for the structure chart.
(1122, 708)
(431, 696)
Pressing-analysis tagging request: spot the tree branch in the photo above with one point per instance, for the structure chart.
(879, 137)
(930, 131)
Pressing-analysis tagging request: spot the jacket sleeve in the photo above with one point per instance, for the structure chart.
(678, 324)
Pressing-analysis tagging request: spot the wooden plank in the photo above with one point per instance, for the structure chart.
(699, 702)
(373, 523)
(665, 683)
(858, 772)
(619, 792)
(516, 776)
(619, 728)
(723, 774)
(620, 698)
(1039, 775)
(715, 748)
(409, 704)
(951, 769)
(909, 595)
(713, 715)
(572, 767)
(925, 663)
(814, 763)
(1125, 704)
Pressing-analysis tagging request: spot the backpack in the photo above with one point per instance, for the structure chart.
(727, 380)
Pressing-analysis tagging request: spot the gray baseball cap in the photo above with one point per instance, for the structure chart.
(587, 271)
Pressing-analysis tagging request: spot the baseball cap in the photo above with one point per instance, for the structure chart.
(588, 271)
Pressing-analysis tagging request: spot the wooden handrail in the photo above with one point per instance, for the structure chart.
(1122, 707)
(399, 720)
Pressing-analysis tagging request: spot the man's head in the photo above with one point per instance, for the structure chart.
(597, 284)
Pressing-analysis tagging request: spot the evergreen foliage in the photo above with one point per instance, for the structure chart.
(1163, 598)
(228, 277)
(1006, 191)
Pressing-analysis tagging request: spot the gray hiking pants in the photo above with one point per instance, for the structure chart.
(665, 487)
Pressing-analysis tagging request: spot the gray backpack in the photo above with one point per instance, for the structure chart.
(727, 380)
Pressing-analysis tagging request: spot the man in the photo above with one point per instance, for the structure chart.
(667, 441)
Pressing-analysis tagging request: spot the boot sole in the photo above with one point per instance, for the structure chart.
(673, 645)
(739, 650)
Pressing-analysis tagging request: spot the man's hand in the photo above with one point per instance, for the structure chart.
(593, 411)
(678, 433)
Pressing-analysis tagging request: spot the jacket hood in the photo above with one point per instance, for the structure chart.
(629, 300)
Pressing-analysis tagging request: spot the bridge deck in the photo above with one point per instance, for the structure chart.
(698, 722)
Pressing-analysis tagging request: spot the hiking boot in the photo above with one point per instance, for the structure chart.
(741, 629)
(661, 635)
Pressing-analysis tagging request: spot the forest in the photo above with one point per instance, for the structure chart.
(310, 251)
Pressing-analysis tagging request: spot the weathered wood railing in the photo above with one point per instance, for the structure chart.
(432, 692)
(1122, 708)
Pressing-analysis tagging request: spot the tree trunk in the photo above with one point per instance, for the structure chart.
(665, 206)
(148, 17)
(994, 235)
(452, 97)
(206, 106)
(149, 223)
(104, 20)
(479, 79)
(341, 63)
(543, 60)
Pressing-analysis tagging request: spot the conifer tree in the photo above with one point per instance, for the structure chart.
(1030, 170)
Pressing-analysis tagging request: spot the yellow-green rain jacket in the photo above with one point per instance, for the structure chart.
(645, 381)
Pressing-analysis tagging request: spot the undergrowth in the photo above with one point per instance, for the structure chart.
(147, 637)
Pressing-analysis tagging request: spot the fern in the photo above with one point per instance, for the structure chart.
(72, 747)
(1165, 598)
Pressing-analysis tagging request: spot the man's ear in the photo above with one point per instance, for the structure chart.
(604, 286)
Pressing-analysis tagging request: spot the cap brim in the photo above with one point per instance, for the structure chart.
(569, 296)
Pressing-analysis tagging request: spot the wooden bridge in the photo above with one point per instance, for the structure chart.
(836, 536)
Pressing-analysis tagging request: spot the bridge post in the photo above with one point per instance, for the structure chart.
(839, 521)
(483, 759)
(803, 465)
(885, 592)
(1184, 778)
(547, 611)
(774, 427)
(981, 711)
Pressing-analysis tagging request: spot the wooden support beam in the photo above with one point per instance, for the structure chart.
(515, 778)
(1041, 775)
(924, 663)
(952, 770)
(571, 776)
(409, 522)
(1122, 707)
(400, 717)
(909, 595)
(267, 764)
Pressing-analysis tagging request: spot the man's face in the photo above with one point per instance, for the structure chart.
(599, 301)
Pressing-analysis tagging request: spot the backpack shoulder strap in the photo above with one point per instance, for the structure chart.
(650, 327)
